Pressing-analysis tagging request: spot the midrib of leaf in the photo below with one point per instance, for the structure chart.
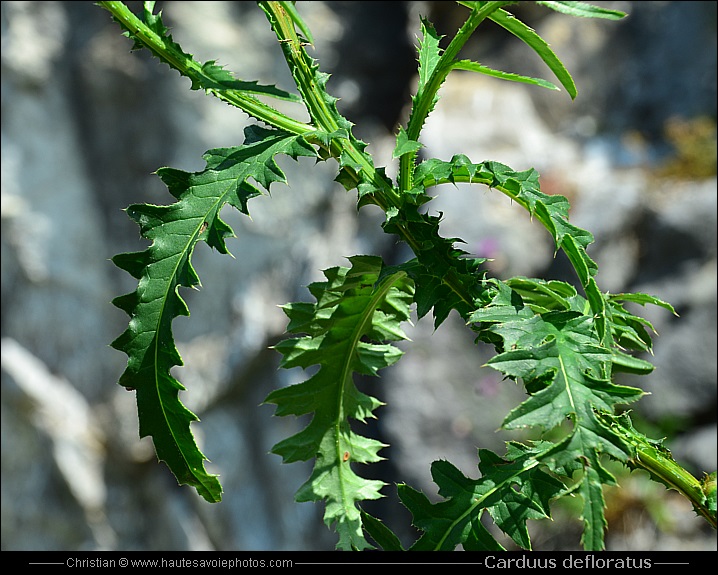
(359, 330)
(565, 375)
(513, 489)
(189, 246)
(353, 303)
(579, 367)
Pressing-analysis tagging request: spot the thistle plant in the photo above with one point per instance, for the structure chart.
(564, 343)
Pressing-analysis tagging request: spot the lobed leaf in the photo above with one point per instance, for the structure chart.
(513, 490)
(426, 95)
(551, 211)
(380, 533)
(346, 332)
(566, 369)
(165, 267)
(404, 144)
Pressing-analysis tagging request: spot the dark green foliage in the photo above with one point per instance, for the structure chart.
(562, 345)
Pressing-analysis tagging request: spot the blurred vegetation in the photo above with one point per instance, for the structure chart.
(694, 145)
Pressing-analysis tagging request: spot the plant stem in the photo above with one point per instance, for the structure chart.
(386, 197)
(658, 461)
(437, 78)
(192, 69)
(673, 475)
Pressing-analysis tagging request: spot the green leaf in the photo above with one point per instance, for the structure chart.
(551, 211)
(404, 144)
(380, 533)
(563, 365)
(583, 10)
(438, 269)
(563, 347)
(426, 96)
(150, 32)
(165, 267)
(346, 333)
(471, 66)
(513, 490)
(429, 53)
(207, 76)
(535, 42)
(541, 296)
(642, 299)
(622, 362)
(523, 187)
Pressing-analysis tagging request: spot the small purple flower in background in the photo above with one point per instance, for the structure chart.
(488, 385)
(490, 248)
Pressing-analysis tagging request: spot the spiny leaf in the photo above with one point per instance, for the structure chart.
(429, 52)
(166, 266)
(471, 66)
(513, 489)
(404, 144)
(526, 34)
(628, 331)
(551, 211)
(380, 533)
(563, 347)
(532, 39)
(148, 31)
(563, 365)
(438, 268)
(582, 9)
(210, 76)
(524, 187)
(429, 57)
(346, 332)
(642, 299)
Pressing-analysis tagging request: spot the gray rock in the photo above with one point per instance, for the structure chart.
(85, 123)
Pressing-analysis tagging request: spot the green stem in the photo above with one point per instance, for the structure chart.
(386, 197)
(437, 78)
(658, 461)
(323, 117)
(193, 70)
(673, 475)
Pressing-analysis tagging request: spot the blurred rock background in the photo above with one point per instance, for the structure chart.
(85, 123)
